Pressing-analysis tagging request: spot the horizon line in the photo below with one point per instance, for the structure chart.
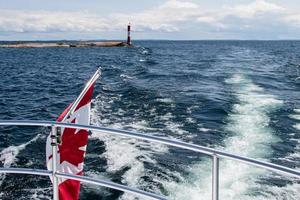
(119, 40)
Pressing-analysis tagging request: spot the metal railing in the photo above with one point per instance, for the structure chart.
(215, 155)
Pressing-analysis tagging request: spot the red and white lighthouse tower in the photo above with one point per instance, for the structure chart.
(128, 34)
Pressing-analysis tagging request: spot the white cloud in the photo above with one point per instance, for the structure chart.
(293, 19)
(259, 15)
(45, 21)
(259, 19)
(255, 8)
(161, 18)
(214, 20)
(243, 15)
(175, 4)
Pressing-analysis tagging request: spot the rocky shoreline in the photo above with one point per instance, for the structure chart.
(65, 44)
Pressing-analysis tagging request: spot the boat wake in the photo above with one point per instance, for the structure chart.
(8, 156)
(250, 134)
(125, 155)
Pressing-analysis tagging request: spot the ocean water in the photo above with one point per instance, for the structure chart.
(239, 96)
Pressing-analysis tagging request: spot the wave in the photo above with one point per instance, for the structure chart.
(145, 51)
(292, 190)
(126, 77)
(124, 155)
(41, 193)
(8, 156)
(251, 135)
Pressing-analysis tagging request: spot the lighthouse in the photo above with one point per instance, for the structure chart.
(128, 35)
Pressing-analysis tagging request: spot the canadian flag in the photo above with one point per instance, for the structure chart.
(71, 150)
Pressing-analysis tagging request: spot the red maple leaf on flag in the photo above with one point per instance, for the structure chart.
(71, 141)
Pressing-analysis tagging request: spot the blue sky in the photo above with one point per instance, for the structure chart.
(150, 19)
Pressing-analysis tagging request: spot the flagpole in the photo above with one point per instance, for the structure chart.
(55, 135)
(85, 89)
(54, 162)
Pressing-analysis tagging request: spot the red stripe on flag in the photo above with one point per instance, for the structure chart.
(86, 98)
(69, 189)
(63, 114)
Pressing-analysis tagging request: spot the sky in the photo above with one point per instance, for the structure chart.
(150, 19)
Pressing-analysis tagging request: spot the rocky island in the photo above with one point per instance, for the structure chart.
(65, 44)
(69, 44)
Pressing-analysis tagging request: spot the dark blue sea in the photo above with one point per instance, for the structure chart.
(238, 96)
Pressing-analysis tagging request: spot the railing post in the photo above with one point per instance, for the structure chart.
(215, 177)
(54, 161)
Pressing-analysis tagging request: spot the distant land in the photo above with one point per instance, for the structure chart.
(69, 44)
(73, 44)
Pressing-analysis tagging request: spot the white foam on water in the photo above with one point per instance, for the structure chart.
(296, 126)
(251, 136)
(175, 128)
(297, 117)
(145, 52)
(192, 108)
(165, 100)
(163, 118)
(124, 152)
(90, 188)
(289, 192)
(40, 193)
(204, 129)
(190, 120)
(292, 190)
(9, 154)
(125, 76)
